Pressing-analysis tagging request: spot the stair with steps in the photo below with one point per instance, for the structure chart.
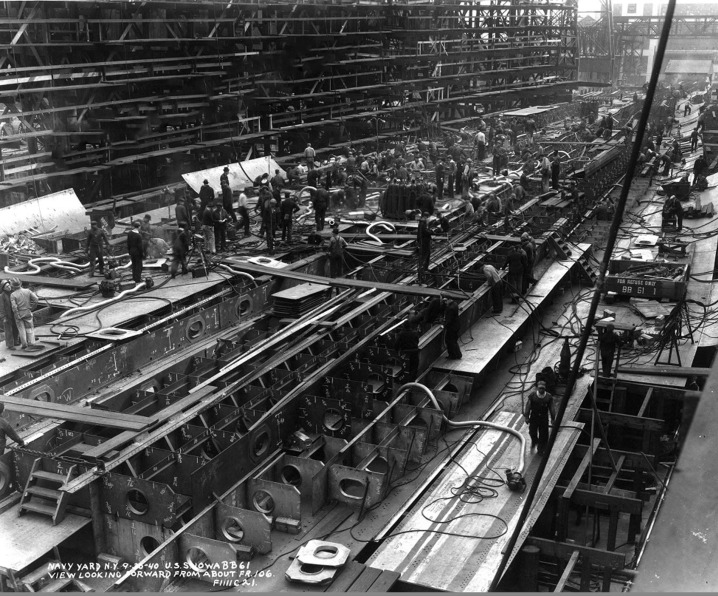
(43, 499)
(50, 577)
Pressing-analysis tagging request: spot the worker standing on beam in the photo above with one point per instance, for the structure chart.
(23, 302)
(539, 406)
(309, 155)
(480, 145)
(423, 244)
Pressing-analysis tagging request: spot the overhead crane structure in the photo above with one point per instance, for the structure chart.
(114, 97)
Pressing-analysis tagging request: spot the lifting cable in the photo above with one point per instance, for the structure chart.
(611, 241)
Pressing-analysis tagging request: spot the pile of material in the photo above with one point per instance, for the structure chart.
(656, 271)
(296, 301)
(19, 244)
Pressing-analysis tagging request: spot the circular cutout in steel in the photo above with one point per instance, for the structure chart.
(232, 529)
(149, 544)
(333, 420)
(351, 488)
(195, 329)
(137, 501)
(197, 559)
(242, 307)
(261, 443)
(291, 475)
(263, 502)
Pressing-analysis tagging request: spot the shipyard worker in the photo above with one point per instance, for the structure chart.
(278, 181)
(146, 231)
(530, 130)
(206, 196)
(313, 178)
(243, 210)
(466, 177)
(651, 145)
(700, 169)
(667, 163)
(539, 406)
(336, 247)
(12, 337)
(520, 193)
(208, 230)
(309, 155)
(493, 279)
(480, 145)
(423, 245)
(555, 169)
(608, 340)
(672, 209)
(23, 301)
(443, 223)
(6, 430)
(320, 202)
(451, 329)
(269, 222)
(687, 109)
(451, 172)
(227, 201)
(287, 209)
(545, 171)
(694, 140)
(407, 344)
(219, 221)
(516, 264)
(224, 177)
(95, 247)
(494, 207)
(529, 247)
(182, 213)
(180, 248)
(433, 310)
(136, 250)
(440, 170)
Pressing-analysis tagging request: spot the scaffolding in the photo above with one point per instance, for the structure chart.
(116, 96)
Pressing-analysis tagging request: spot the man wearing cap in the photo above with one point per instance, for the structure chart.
(224, 178)
(539, 406)
(10, 327)
(95, 246)
(136, 251)
(23, 302)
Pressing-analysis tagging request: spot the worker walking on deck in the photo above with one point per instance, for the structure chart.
(95, 247)
(539, 406)
(23, 301)
(516, 263)
(136, 251)
(6, 430)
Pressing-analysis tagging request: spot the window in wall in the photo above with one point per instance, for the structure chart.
(631, 9)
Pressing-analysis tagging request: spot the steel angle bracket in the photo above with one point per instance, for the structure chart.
(324, 554)
(297, 575)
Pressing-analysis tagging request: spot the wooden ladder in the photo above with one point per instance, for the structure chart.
(43, 499)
